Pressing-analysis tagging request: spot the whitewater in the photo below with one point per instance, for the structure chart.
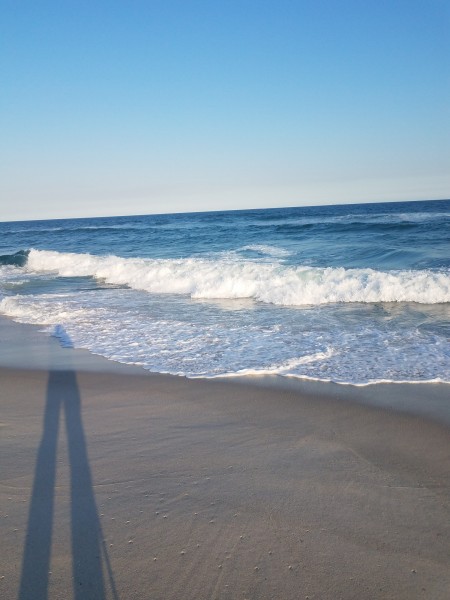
(350, 294)
(271, 283)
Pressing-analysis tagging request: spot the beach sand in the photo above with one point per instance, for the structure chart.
(117, 483)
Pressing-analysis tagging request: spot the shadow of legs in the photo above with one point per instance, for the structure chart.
(88, 581)
(36, 556)
(86, 529)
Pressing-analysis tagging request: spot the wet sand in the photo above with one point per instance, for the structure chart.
(116, 483)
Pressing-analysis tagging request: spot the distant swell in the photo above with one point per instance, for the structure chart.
(18, 259)
(270, 283)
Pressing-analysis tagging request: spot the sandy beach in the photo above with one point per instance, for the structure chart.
(225, 300)
(117, 483)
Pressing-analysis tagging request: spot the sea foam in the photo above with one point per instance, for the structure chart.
(272, 283)
(359, 344)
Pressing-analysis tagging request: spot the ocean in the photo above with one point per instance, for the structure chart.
(353, 294)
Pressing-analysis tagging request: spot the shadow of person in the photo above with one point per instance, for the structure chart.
(87, 544)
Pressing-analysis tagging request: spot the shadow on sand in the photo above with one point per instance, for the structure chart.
(88, 549)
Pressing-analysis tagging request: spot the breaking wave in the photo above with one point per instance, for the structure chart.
(18, 259)
(278, 284)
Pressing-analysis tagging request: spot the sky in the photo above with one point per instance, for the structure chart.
(139, 107)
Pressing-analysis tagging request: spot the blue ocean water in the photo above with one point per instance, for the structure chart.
(351, 293)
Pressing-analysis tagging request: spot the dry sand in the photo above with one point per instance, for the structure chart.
(121, 484)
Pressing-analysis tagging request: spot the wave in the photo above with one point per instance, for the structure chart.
(265, 249)
(272, 283)
(283, 368)
(18, 259)
(74, 229)
(355, 219)
(241, 345)
(352, 227)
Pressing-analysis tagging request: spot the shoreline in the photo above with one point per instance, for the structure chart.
(129, 484)
(27, 347)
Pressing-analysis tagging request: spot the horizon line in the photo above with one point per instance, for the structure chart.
(199, 212)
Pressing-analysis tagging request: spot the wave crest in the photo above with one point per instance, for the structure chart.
(18, 259)
(270, 283)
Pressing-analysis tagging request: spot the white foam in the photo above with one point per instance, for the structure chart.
(358, 345)
(285, 367)
(264, 282)
(273, 251)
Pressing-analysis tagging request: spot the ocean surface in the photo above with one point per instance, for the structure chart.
(353, 294)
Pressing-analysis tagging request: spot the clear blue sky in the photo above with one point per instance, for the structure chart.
(130, 107)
